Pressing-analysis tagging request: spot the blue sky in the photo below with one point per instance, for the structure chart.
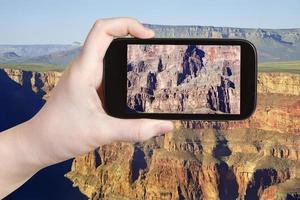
(66, 21)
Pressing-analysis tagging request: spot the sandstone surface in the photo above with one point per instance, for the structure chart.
(258, 158)
(183, 79)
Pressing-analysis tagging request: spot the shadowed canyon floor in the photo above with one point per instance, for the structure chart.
(258, 158)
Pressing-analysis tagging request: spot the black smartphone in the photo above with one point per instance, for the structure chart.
(161, 78)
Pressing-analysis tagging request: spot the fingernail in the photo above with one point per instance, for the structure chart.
(150, 32)
(166, 126)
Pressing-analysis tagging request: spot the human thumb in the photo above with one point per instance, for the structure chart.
(137, 130)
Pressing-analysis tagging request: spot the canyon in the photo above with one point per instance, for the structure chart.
(38, 82)
(183, 79)
(257, 158)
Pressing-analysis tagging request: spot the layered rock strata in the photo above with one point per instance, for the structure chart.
(258, 158)
(183, 78)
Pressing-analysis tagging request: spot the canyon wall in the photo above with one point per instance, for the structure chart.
(280, 83)
(38, 81)
(194, 164)
(257, 158)
(23, 93)
(183, 79)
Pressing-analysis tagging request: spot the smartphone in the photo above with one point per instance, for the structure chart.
(199, 79)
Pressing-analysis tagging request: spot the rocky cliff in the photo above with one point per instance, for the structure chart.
(258, 158)
(23, 93)
(183, 79)
(194, 164)
(39, 82)
(270, 43)
(280, 83)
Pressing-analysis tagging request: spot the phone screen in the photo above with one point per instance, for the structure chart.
(203, 79)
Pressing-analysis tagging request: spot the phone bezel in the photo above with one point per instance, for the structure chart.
(115, 78)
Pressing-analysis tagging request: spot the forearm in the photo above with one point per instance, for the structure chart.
(17, 165)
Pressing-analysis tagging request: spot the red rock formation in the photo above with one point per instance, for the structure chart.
(181, 165)
(191, 79)
(279, 83)
(39, 81)
(257, 158)
(274, 112)
(253, 159)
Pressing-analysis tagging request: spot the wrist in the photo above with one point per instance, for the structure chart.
(26, 143)
(41, 141)
(17, 156)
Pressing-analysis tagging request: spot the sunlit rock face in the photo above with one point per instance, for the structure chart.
(183, 78)
(193, 164)
(279, 83)
(258, 158)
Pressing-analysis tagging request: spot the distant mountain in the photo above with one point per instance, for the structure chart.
(28, 51)
(6, 56)
(61, 58)
(10, 55)
(59, 55)
(272, 44)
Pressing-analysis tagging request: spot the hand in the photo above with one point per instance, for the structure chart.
(73, 122)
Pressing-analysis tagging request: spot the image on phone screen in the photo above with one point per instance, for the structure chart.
(203, 79)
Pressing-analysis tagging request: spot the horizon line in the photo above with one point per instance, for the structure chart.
(211, 26)
(74, 43)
